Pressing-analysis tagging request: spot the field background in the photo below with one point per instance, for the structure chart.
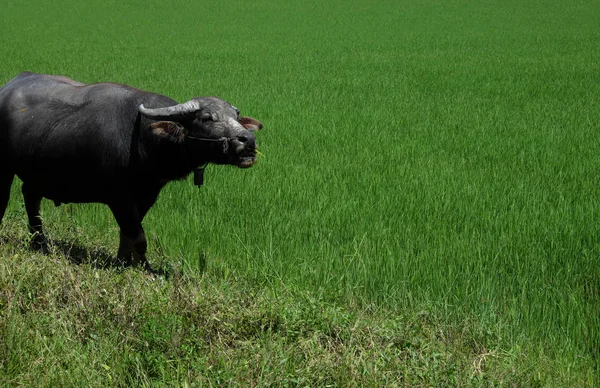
(420, 157)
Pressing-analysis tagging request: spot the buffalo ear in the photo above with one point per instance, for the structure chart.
(169, 130)
(250, 123)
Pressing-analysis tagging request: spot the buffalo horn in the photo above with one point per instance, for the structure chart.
(171, 113)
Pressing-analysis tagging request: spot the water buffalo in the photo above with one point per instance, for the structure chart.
(112, 144)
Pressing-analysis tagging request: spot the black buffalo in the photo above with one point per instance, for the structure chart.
(111, 144)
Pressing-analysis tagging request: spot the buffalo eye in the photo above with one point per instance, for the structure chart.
(206, 117)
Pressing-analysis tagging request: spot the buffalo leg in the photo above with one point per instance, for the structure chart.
(132, 244)
(145, 201)
(32, 206)
(5, 183)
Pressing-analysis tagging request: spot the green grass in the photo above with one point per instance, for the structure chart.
(69, 325)
(420, 156)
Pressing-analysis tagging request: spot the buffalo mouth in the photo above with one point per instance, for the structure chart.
(246, 159)
(242, 151)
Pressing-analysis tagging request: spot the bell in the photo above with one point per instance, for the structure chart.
(199, 176)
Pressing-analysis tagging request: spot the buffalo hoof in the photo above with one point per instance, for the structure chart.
(39, 243)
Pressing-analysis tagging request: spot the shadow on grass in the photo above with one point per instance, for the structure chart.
(97, 257)
(78, 254)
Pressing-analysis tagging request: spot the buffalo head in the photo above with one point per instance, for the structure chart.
(209, 121)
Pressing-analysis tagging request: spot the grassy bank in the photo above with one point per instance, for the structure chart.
(67, 324)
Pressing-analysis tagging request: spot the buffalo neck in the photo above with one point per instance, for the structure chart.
(168, 160)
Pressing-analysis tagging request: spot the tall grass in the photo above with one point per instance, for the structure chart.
(420, 155)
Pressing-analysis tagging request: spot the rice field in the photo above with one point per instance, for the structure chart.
(437, 156)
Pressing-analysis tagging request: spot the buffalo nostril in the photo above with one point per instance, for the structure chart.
(243, 139)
